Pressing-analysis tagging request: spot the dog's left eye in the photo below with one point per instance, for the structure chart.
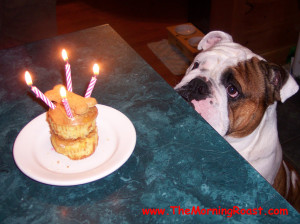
(196, 65)
(232, 91)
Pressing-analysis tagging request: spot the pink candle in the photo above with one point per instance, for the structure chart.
(63, 95)
(92, 82)
(68, 71)
(37, 92)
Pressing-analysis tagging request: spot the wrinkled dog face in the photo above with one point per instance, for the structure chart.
(230, 86)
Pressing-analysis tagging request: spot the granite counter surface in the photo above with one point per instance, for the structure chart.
(179, 160)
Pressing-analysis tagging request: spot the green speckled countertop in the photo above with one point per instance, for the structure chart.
(178, 160)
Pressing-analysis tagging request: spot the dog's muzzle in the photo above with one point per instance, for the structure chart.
(196, 89)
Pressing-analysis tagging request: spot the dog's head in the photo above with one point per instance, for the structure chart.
(231, 87)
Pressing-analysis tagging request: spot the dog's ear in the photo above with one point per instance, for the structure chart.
(212, 38)
(282, 84)
(289, 89)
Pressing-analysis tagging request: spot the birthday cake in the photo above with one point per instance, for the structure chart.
(75, 137)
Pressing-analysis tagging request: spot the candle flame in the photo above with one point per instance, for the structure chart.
(96, 69)
(28, 78)
(63, 92)
(64, 55)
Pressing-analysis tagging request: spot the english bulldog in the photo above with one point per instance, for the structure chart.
(236, 92)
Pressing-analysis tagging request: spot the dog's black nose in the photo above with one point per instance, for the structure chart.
(196, 89)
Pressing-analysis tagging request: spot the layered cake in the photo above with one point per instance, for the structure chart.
(75, 137)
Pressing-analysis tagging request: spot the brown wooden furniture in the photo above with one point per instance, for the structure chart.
(186, 42)
(268, 27)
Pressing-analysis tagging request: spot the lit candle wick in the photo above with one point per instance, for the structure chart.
(37, 92)
(65, 102)
(68, 71)
(93, 81)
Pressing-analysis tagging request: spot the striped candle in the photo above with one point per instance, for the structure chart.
(37, 92)
(92, 82)
(65, 102)
(68, 71)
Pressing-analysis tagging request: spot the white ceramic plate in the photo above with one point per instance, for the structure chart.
(35, 156)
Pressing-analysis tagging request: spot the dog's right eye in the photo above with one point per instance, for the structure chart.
(232, 91)
(196, 65)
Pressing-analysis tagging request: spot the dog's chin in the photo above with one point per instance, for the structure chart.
(212, 115)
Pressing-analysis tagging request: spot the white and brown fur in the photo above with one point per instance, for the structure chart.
(237, 91)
